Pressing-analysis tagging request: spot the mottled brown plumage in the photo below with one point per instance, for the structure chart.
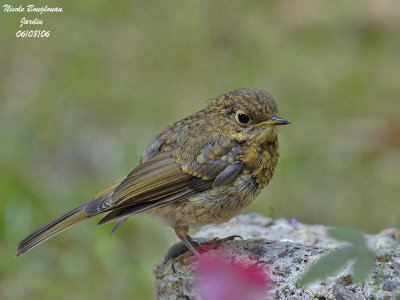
(201, 170)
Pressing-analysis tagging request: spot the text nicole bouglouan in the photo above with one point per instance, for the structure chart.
(31, 23)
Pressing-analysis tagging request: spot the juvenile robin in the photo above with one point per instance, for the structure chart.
(201, 170)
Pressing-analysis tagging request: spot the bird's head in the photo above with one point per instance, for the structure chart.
(246, 115)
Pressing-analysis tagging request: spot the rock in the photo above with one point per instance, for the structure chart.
(340, 292)
(288, 248)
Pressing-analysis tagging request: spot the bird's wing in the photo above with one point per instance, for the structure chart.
(228, 175)
(154, 183)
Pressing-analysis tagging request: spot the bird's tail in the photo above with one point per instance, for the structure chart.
(51, 229)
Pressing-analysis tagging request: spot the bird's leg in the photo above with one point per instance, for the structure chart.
(193, 246)
(182, 233)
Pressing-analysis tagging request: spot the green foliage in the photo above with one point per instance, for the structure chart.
(330, 263)
(358, 252)
(365, 261)
(350, 235)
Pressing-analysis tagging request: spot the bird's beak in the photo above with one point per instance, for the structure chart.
(275, 121)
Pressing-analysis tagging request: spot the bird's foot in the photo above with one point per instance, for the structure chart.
(216, 242)
(180, 251)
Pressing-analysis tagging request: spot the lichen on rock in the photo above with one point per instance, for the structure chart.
(286, 248)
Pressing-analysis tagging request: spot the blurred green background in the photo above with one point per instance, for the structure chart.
(78, 108)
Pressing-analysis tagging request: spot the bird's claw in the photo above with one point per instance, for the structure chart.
(179, 252)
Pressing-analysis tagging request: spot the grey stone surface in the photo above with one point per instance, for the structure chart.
(289, 248)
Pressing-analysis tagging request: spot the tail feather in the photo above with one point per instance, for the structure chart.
(51, 229)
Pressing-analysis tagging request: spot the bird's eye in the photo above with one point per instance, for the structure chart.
(242, 118)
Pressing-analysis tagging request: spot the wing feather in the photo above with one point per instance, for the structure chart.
(153, 183)
(123, 212)
(157, 182)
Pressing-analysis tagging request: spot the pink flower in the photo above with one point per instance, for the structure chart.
(235, 277)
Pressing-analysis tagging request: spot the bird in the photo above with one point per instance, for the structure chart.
(203, 169)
